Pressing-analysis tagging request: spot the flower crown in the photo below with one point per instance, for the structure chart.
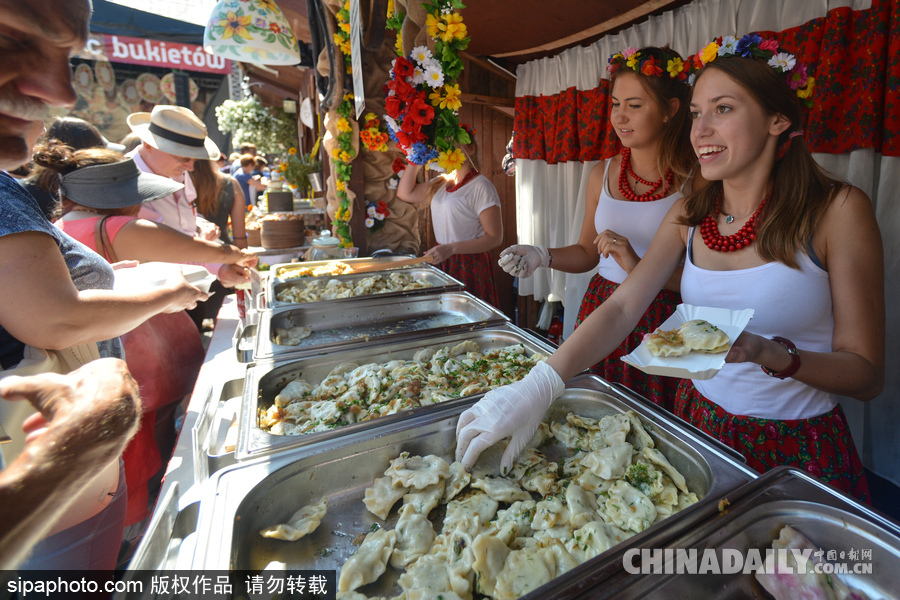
(754, 45)
(652, 62)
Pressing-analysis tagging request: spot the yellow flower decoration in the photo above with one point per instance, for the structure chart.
(343, 125)
(390, 8)
(451, 161)
(433, 25)
(345, 27)
(347, 6)
(345, 156)
(267, 4)
(370, 116)
(235, 26)
(675, 66)
(282, 168)
(348, 97)
(807, 90)
(633, 60)
(336, 154)
(452, 27)
(709, 53)
(339, 185)
(292, 151)
(452, 96)
(398, 45)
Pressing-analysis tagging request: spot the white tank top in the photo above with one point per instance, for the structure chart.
(638, 221)
(792, 303)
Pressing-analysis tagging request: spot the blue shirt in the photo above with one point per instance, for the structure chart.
(19, 212)
(243, 178)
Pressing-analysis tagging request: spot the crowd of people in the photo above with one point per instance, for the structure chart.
(715, 200)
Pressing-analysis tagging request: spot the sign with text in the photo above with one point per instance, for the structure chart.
(153, 53)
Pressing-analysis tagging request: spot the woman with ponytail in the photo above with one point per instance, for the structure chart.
(772, 232)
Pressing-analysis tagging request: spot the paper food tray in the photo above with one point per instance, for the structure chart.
(694, 365)
(151, 275)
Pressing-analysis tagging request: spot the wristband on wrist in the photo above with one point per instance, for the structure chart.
(549, 262)
(792, 368)
(239, 237)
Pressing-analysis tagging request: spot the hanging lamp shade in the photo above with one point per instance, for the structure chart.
(254, 31)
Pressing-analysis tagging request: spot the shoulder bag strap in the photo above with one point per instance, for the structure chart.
(102, 241)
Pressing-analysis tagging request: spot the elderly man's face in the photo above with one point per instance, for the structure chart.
(36, 39)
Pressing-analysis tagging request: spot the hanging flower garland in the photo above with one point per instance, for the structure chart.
(422, 102)
(372, 137)
(342, 35)
(342, 155)
(395, 22)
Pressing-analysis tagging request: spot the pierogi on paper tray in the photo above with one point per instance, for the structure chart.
(693, 336)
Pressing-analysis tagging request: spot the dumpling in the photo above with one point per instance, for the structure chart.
(524, 571)
(423, 501)
(418, 471)
(515, 521)
(295, 390)
(369, 561)
(611, 462)
(550, 513)
(291, 336)
(459, 479)
(427, 573)
(594, 538)
(656, 457)
(301, 523)
(567, 435)
(414, 537)
(704, 336)
(638, 436)
(490, 555)
(582, 505)
(501, 489)
(629, 508)
(614, 429)
(382, 496)
(667, 343)
(479, 506)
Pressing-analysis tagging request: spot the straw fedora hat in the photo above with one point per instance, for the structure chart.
(175, 130)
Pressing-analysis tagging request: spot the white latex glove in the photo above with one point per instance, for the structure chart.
(522, 260)
(513, 410)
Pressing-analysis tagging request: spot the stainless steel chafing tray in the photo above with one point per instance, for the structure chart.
(276, 271)
(758, 510)
(438, 280)
(243, 499)
(264, 381)
(338, 325)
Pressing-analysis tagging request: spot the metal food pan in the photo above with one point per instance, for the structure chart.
(263, 382)
(753, 520)
(338, 325)
(440, 282)
(243, 499)
(275, 270)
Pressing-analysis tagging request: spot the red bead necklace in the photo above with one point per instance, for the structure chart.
(469, 176)
(714, 240)
(651, 194)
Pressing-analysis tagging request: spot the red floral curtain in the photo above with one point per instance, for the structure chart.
(854, 56)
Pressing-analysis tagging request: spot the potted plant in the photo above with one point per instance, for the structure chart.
(299, 171)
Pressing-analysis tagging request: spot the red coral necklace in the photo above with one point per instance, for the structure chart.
(714, 240)
(469, 176)
(651, 194)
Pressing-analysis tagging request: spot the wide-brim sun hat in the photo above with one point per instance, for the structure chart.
(115, 185)
(174, 130)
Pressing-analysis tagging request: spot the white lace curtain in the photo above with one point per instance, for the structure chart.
(553, 195)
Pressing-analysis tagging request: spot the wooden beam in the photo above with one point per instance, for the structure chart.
(489, 66)
(487, 100)
(632, 15)
(504, 110)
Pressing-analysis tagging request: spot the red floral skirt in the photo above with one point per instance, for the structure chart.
(822, 446)
(476, 271)
(659, 390)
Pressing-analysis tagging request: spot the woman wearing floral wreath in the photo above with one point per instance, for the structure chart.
(626, 200)
(465, 212)
(770, 232)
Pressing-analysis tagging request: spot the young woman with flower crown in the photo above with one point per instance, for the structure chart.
(770, 232)
(465, 212)
(627, 197)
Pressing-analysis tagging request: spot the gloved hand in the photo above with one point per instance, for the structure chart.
(522, 260)
(513, 410)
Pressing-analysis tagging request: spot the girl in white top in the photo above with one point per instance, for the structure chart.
(627, 198)
(465, 213)
(771, 232)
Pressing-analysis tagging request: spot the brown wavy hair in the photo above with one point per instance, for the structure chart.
(208, 182)
(801, 189)
(675, 150)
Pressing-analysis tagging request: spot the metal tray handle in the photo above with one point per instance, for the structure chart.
(241, 334)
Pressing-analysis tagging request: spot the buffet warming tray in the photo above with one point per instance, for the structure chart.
(831, 520)
(263, 382)
(276, 271)
(372, 319)
(243, 499)
(440, 282)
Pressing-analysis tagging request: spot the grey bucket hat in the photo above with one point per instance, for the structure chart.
(115, 185)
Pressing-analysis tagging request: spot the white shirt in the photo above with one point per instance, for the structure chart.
(455, 214)
(175, 210)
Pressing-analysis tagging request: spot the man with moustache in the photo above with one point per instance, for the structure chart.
(84, 419)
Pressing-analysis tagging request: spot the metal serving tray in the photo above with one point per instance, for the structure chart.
(338, 325)
(830, 519)
(265, 380)
(440, 282)
(243, 499)
(275, 270)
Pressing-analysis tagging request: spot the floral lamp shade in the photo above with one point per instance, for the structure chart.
(251, 31)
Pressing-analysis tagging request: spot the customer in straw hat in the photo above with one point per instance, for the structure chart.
(172, 137)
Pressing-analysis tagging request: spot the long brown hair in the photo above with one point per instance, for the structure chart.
(60, 159)
(675, 150)
(801, 189)
(208, 182)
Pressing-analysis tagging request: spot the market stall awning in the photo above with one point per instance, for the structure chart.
(114, 19)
